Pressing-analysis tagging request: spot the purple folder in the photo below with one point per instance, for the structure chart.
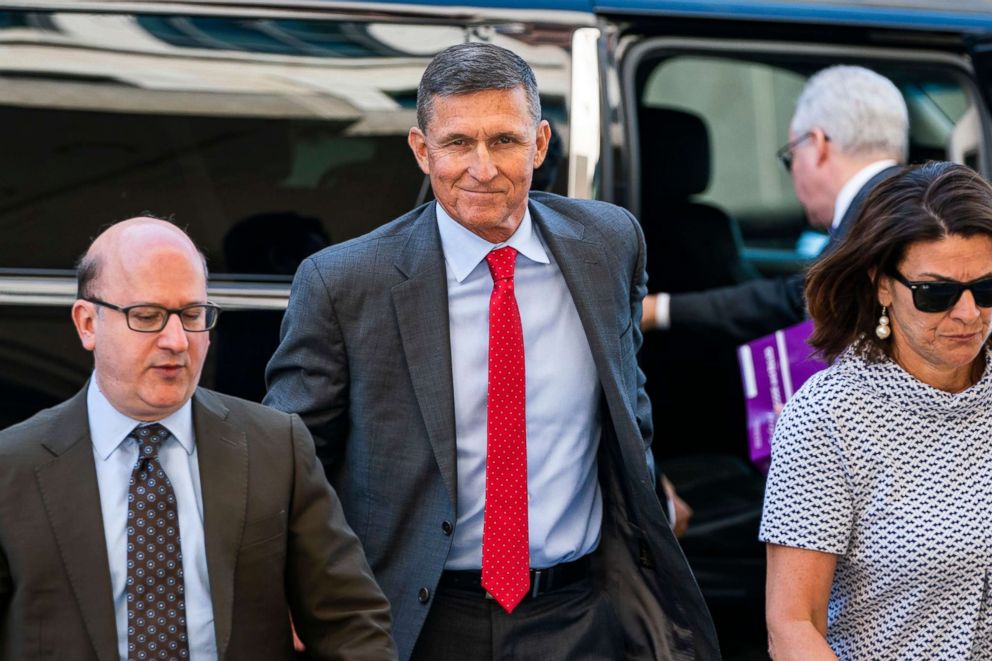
(772, 369)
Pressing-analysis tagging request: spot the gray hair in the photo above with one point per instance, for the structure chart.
(474, 67)
(862, 112)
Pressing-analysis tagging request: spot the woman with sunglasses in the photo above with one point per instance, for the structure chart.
(878, 506)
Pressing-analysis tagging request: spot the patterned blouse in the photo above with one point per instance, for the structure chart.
(895, 478)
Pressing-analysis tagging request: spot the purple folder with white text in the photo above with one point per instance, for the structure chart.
(773, 367)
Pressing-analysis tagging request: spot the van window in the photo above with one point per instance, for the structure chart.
(266, 138)
(746, 106)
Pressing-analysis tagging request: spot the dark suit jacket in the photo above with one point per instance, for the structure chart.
(276, 541)
(365, 359)
(751, 309)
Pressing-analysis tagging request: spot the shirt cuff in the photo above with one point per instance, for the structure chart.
(662, 318)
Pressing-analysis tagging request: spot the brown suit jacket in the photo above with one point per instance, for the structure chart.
(276, 541)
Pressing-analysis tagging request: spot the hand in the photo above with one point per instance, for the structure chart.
(648, 312)
(298, 645)
(682, 510)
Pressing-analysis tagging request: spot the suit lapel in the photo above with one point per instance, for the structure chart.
(584, 268)
(421, 304)
(71, 496)
(222, 452)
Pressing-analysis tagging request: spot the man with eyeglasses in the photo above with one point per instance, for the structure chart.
(849, 132)
(148, 518)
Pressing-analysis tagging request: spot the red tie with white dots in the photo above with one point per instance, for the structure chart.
(505, 549)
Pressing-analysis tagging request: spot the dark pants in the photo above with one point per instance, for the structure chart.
(573, 623)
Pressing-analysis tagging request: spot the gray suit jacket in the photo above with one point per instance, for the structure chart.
(751, 309)
(365, 359)
(276, 541)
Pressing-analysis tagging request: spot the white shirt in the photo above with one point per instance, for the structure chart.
(115, 459)
(855, 184)
(562, 398)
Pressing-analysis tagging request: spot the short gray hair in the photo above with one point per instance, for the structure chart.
(862, 112)
(474, 67)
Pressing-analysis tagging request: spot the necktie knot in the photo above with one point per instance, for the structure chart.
(149, 438)
(501, 263)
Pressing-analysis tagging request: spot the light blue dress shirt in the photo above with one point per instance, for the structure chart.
(562, 400)
(115, 458)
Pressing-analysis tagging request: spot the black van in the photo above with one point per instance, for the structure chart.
(271, 128)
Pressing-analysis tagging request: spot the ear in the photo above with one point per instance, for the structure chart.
(418, 144)
(543, 139)
(822, 144)
(84, 318)
(884, 291)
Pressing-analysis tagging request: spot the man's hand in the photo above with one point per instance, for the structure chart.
(648, 312)
(682, 510)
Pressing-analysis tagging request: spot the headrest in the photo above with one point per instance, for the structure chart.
(675, 152)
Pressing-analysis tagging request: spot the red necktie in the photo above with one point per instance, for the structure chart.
(505, 549)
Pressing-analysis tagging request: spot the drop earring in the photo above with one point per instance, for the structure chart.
(883, 330)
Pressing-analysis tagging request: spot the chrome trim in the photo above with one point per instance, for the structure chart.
(309, 9)
(61, 292)
(585, 135)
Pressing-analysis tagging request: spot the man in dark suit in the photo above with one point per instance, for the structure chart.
(848, 133)
(469, 372)
(147, 518)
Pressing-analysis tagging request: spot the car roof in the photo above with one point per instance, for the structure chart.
(957, 15)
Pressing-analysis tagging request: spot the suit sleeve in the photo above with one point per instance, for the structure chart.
(743, 312)
(638, 290)
(308, 374)
(338, 609)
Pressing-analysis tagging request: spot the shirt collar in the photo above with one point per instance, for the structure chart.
(853, 185)
(464, 249)
(109, 427)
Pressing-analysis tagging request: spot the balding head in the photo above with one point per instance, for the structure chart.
(133, 270)
(129, 239)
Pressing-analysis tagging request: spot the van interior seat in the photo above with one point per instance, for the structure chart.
(691, 245)
(693, 381)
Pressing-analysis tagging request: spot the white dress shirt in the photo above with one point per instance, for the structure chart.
(853, 185)
(562, 398)
(115, 456)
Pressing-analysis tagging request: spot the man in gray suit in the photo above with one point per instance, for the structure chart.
(469, 372)
(147, 518)
(849, 132)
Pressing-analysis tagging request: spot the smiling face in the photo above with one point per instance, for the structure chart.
(940, 348)
(480, 150)
(145, 376)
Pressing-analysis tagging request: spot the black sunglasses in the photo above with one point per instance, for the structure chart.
(941, 296)
(784, 153)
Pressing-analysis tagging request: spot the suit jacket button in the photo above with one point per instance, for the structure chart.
(423, 595)
(446, 527)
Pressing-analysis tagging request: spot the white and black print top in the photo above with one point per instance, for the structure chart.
(895, 478)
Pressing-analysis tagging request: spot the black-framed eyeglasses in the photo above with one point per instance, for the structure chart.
(150, 318)
(942, 295)
(785, 155)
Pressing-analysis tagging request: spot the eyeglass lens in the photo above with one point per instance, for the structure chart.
(942, 296)
(152, 318)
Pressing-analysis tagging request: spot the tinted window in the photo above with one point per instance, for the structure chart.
(267, 139)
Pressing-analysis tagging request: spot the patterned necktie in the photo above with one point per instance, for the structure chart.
(156, 603)
(505, 550)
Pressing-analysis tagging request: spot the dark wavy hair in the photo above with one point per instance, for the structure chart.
(921, 203)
